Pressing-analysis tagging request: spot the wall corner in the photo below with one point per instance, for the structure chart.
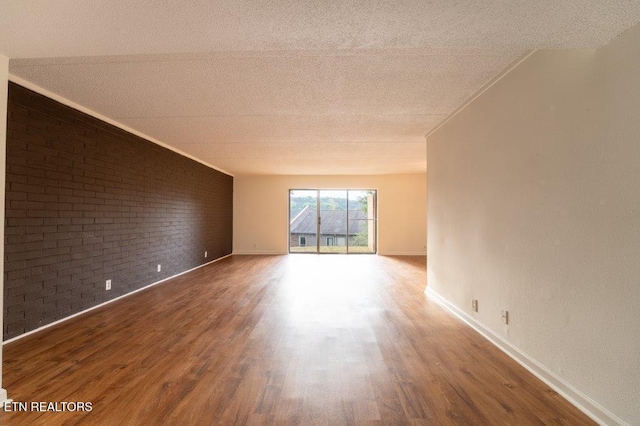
(4, 90)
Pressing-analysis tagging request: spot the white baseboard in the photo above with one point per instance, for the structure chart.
(402, 253)
(587, 405)
(271, 253)
(13, 339)
(259, 253)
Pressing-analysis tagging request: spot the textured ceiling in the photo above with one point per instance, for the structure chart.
(295, 87)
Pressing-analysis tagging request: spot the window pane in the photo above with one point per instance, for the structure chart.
(333, 220)
(303, 219)
(362, 205)
(362, 236)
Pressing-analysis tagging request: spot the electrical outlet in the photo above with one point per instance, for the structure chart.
(255, 245)
(474, 305)
(205, 254)
(505, 316)
(159, 268)
(108, 285)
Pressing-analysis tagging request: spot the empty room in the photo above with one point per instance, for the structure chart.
(320, 212)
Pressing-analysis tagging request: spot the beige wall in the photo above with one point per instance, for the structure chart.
(534, 207)
(4, 87)
(260, 213)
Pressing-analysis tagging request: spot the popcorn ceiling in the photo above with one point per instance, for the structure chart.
(79, 28)
(282, 86)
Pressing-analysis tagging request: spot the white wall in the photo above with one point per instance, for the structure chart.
(4, 82)
(260, 210)
(534, 207)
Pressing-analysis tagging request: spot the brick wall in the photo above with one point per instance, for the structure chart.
(87, 202)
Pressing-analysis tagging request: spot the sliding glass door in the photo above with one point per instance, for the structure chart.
(332, 221)
(362, 221)
(303, 221)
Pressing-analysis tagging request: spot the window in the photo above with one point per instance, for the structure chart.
(332, 221)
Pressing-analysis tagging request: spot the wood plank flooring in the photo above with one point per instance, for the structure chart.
(299, 339)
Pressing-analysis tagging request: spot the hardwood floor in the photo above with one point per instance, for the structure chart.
(299, 339)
